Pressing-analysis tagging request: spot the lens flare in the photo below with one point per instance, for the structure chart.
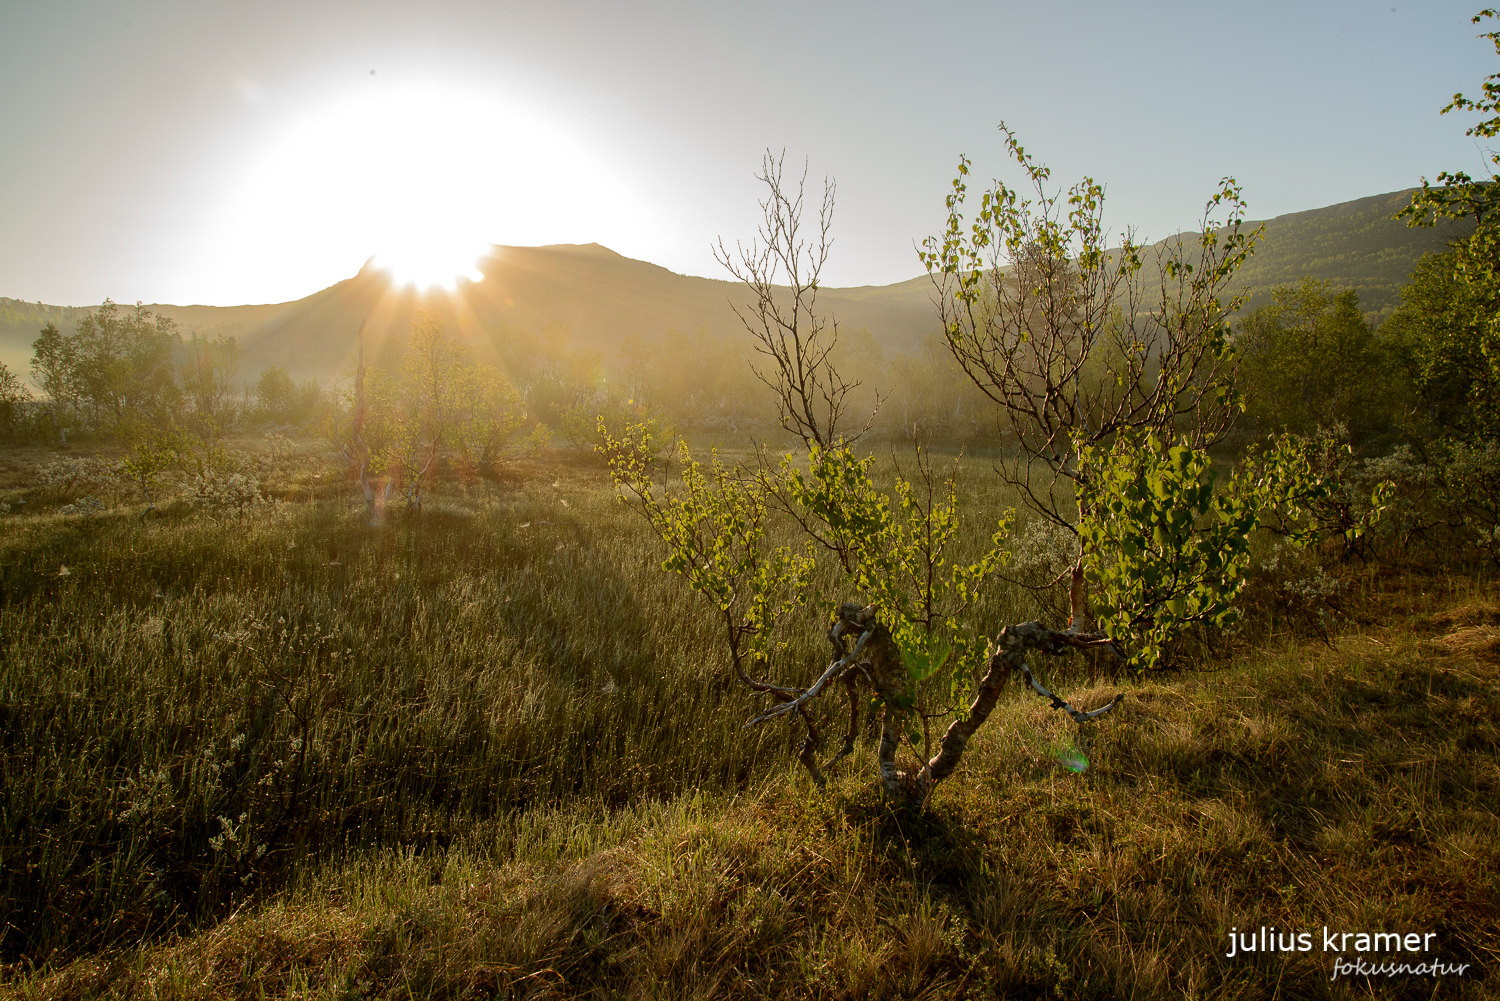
(1070, 757)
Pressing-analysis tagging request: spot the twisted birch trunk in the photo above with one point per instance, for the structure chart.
(875, 659)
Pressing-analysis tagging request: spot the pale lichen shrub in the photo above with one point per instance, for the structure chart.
(71, 477)
(229, 490)
(1042, 554)
(279, 448)
(84, 507)
(224, 496)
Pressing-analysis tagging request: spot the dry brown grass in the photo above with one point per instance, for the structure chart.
(1352, 787)
(1351, 784)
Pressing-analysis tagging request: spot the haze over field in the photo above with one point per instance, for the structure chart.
(603, 298)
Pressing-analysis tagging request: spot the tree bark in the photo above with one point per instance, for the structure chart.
(882, 667)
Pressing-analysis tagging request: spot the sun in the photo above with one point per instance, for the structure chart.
(425, 178)
(427, 261)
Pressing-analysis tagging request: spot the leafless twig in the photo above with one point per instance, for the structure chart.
(812, 399)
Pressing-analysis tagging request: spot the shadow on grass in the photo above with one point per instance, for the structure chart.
(191, 712)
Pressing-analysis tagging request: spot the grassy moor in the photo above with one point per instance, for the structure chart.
(491, 750)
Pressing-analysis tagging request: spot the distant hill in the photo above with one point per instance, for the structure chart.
(598, 295)
(602, 297)
(1358, 244)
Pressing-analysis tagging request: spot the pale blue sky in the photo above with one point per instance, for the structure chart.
(225, 153)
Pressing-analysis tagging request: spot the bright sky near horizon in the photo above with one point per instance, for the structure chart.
(220, 153)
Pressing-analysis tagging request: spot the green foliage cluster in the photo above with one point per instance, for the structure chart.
(440, 405)
(1310, 359)
(146, 464)
(715, 532)
(1444, 344)
(113, 375)
(280, 400)
(1165, 549)
(1467, 477)
(897, 557)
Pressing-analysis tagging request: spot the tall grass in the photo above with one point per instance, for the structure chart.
(495, 751)
(190, 709)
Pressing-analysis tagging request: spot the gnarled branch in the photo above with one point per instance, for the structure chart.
(881, 666)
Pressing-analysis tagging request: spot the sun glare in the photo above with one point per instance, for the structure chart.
(431, 263)
(424, 178)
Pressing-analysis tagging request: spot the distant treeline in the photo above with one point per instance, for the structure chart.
(1311, 357)
(1360, 245)
(124, 374)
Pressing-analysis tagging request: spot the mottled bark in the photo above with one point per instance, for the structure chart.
(876, 659)
(1079, 621)
(851, 685)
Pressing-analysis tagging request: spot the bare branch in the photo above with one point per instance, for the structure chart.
(812, 399)
(834, 670)
(1057, 703)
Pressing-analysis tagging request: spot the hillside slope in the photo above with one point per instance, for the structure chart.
(1358, 244)
(603, 298)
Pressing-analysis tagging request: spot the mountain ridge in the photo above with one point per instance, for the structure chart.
(601, 297)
